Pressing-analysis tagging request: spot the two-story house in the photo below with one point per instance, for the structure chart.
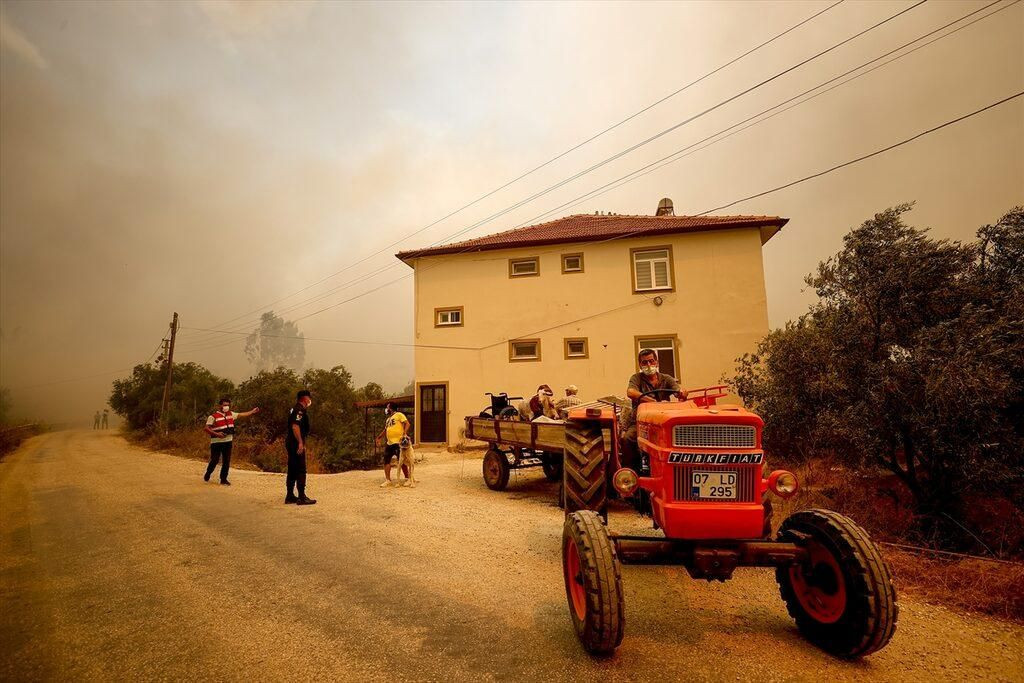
(571, 301)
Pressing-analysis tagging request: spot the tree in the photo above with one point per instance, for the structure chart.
(274, 343)
(910, 360)
(336, 423)
(194, 393)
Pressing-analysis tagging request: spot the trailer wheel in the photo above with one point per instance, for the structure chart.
(593, 582)
(552, 469)
(496, 470)
(584, 464)
(842, 599)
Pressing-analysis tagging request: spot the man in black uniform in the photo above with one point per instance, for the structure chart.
(295, 444)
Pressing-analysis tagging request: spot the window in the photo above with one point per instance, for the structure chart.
(652, 269)
(576, 347)
(524, 349)
(572, 263)
(523, 267)
(448, 317)
(665, 345)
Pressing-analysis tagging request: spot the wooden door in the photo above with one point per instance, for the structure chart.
(433, 413)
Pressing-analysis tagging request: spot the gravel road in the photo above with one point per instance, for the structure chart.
(119, 563)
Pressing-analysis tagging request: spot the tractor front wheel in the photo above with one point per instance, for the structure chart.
(593, 582)
(496, 470)
(842, 597)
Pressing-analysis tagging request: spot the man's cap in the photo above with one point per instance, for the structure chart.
(302, 394)
(572, 387)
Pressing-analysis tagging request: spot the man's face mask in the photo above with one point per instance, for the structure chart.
(225, 408)
(650, 370)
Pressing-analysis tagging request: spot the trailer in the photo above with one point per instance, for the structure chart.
(514, 444)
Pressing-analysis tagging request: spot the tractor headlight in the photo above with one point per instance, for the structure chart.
(783, 483)
(625, 481)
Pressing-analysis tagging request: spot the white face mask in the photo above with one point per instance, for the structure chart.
(650, 369)
(225, 409)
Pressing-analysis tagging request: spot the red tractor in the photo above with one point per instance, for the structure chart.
(702, 477)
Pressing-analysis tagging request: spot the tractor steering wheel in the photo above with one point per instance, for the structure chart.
(669, 392)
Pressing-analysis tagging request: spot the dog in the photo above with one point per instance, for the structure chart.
(406, 458)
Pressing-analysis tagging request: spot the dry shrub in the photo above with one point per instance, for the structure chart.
(975, 585)
(248, 452)
(880, 504)
(876, 503)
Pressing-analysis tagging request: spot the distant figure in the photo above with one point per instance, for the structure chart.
(295, 444)
(564, 405)
(106, 419)
(396, 430)
(96, 420)
(220, 425)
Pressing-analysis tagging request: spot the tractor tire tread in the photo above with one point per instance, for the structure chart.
(604, 625)
(584, 477)
(871, 595)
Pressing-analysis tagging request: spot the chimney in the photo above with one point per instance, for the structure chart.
(665, 208)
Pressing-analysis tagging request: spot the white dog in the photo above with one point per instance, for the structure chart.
(407, 458)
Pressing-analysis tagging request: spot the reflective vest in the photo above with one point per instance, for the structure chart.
(223, 423)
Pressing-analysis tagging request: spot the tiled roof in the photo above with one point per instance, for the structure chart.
(594, 228)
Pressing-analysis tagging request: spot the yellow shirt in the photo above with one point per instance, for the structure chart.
(395, 427)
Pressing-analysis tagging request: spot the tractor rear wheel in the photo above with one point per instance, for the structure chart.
(593, 582)
(584, 467)
(842, 598)
(496, 470)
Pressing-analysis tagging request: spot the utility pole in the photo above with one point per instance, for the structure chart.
(170, 369)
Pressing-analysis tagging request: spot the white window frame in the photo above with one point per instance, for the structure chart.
(650, 262)
(513, 262)
(438, 312)
(571, 271)
(513, 358)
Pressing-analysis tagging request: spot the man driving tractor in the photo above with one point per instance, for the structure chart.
(647, 380)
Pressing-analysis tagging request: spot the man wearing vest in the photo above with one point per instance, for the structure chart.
(295, 444)
(221, 427)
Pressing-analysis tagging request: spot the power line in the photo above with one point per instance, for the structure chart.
(635, 234)
(866, 156)
(798, 181)
(554, 158)
(636, 145)
(668, 159)
(639, 144)
(94, 376)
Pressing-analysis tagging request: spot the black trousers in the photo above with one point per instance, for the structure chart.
(222, 452)
(296, 470)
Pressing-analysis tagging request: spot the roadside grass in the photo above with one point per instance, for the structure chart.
(247, 453)
(876, 503)
(12, 436)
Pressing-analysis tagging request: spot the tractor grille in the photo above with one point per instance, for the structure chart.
(714, 436)
(683, 475)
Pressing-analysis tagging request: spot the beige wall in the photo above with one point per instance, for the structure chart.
(718, 312)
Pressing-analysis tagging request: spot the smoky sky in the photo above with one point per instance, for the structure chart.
(213, 157)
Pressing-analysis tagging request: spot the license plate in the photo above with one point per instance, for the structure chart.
(713, 485)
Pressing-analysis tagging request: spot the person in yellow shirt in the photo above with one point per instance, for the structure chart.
(396, 430)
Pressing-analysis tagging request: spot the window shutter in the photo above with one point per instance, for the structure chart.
(661, 273)
(643, 275)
